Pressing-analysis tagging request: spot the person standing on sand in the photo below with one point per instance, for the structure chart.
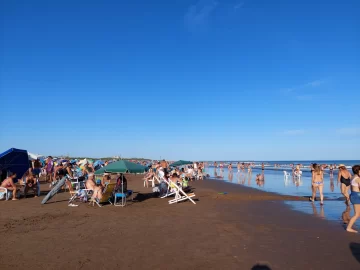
(344, 177)
(49, 167)
(238, 167)
(355, 197)
(317, 183)
(262, 166)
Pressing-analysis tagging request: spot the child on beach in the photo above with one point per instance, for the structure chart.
(355, 197)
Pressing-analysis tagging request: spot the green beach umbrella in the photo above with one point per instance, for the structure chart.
(122, 166)
(181, 163)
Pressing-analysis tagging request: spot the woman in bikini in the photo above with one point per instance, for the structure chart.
(355, 197)
(344, 177)
(9, 184)
(317, 183)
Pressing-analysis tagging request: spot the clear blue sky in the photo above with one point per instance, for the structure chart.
(252, 79)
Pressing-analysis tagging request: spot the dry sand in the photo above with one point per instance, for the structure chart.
(234, 231)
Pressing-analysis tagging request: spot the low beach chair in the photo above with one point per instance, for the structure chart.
(4, 194)
(106, 195)
(82, 195)
(152, 180)
(180, 194)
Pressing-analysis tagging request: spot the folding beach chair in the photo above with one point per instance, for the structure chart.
(82, 195)
(180, 194)
(106, 195)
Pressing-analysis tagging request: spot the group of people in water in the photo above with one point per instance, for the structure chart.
(347, 181)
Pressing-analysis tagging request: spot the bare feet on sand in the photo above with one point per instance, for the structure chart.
(351, 230)
(14, 199)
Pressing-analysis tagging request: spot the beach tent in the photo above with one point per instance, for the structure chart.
(14, 160)
(122, 166)
(181, 163)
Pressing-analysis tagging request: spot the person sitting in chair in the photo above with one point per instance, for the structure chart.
(30, 183)
(91, 185)
(9, 184)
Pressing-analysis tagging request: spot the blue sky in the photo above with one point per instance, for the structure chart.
(240, 80)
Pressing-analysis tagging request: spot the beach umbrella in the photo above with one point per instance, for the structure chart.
(98, 162)
(181, 163)
(122, 166)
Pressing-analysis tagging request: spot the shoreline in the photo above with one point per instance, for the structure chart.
(236, 231)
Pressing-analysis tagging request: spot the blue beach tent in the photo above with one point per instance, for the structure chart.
(13, 160)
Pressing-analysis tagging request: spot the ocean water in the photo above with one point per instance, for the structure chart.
(274, 181)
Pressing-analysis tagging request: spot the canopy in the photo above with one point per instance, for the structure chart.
(122, 166)
(181, 163)
(14, 160)
(34, 156)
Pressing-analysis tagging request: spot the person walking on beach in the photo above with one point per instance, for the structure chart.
(238, 167)
(317, 183)
(49, 167)
(355, 197)
(344, 177)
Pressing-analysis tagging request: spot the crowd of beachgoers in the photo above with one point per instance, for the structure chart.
(52, 170)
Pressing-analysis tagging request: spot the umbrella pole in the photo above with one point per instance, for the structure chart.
(122, 188)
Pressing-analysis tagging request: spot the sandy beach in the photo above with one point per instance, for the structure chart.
(237, 230)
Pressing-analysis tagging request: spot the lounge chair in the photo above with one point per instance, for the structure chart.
(106, 195)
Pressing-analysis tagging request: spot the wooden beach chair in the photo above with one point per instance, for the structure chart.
(106, 195)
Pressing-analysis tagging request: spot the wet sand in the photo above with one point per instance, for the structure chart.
(233, 231)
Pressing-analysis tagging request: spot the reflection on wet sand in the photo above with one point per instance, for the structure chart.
(249, 178)
(241, 178)
(345, 216)
(332, 186)
(322, 213)
(230, 176)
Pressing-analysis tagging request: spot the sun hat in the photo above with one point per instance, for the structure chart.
(341, 165)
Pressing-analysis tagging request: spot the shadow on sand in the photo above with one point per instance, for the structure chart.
(260, 267)
(355, 250)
